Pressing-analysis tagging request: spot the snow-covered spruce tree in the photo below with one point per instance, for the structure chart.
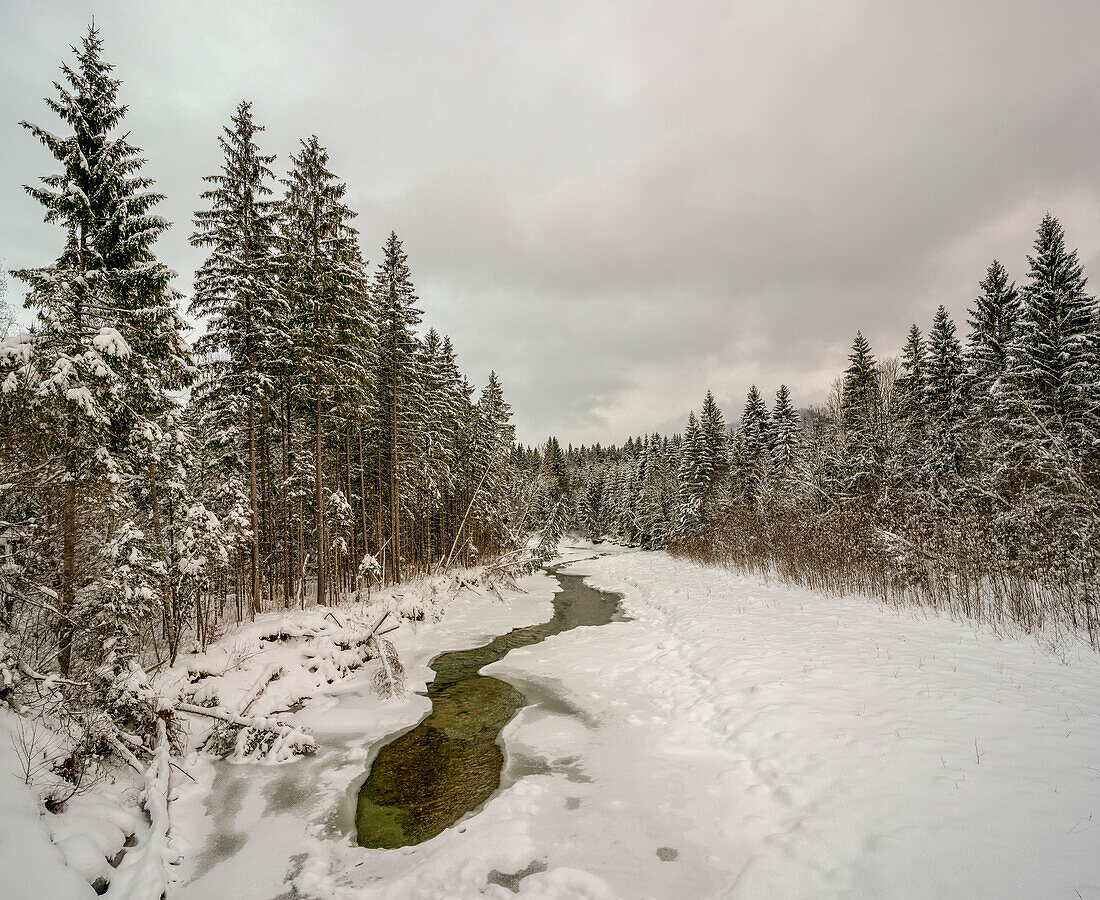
(910, 387)
(751, 450)
(860, 423)
(591, 518)
(993, 320)
(548, 510)
(104, 356)
(658, 493)
(639, 474)
(219, 475)
(397, 383)
(712, 429)
(1055, 354)
(786, 443)
(1046, 470)
(495, 437)
(324, 285)
(237, 294)
(692, 480)
(457, 406)
(905, 436)
(945, 404)
(442, 415)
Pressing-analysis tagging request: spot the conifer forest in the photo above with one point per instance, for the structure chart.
(325, 570)
(324, 445)
(961, 473)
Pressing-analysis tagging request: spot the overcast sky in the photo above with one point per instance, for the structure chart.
(619, 205)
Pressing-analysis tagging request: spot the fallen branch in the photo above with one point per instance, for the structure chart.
(269, 674)
(52, 679)
(284, 740)
(125, 754)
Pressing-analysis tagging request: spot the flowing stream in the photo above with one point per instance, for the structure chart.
(430, 777)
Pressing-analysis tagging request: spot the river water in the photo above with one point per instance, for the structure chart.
(425, 780)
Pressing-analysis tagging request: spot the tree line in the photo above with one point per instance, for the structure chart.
(963, 474)
(310, 444)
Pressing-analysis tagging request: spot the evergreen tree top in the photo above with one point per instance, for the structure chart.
(107, 296)
(235, 288)
(859, 388)
(393, 287)
(99, 196)
(1053, 266)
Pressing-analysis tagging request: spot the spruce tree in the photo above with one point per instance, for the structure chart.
(860, 422)
(1055, 366)
(785, 434)
(993, 323)
(236, 290)
(325, 288)
(495, 437)
(945, 400)
(859, 399)
(692, 479)
(712, 429)
(397, 380)
(443, 416)
(751, 462)
(656, 495)
(909, 387)
(907, 438)
(107, 345)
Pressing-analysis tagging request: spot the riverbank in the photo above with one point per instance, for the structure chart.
(252, 830)
(247, 826)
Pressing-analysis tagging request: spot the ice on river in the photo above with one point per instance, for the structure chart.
(734, 738)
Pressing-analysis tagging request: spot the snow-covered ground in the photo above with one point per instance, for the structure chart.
(787, 744)
(733, 738)
(738, 738)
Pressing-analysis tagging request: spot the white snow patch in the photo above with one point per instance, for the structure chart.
(30, 864)
(111, 343)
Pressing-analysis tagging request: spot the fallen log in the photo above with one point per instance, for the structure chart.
(148, 868)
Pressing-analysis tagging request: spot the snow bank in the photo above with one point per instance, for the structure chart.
(791, 744)
(248, 831)
(30, 864)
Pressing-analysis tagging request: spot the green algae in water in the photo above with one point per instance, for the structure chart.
(427, 779)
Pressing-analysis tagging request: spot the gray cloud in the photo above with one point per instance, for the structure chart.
(620, 205)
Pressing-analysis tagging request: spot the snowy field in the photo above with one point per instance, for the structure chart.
(733, 738)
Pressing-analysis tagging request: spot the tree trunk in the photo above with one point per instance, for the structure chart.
(256, 599)
(320, 506)
(395, 490)
(362, 495)
(68, 515)
(167, 599)
(68, 581)
(288, 538)
(350, 555)
(263, 469)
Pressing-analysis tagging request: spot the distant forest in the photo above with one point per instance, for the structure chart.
(963, 474)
